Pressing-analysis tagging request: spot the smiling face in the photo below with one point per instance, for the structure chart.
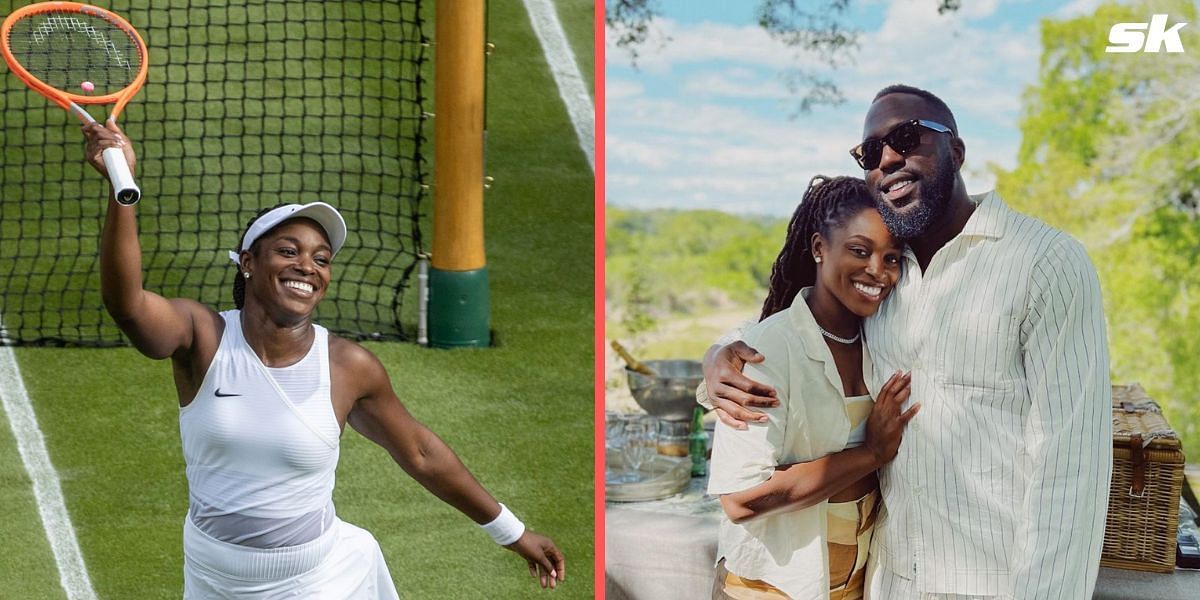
(860, 262)
(289, 267)
(913, 190)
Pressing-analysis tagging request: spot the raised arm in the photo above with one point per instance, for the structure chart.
(380, 417)
(801, 485)
(1068, 431)
(159, 328)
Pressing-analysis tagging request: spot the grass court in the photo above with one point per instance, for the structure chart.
(519, 415)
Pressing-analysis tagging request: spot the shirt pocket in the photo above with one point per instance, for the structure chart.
(979, 349)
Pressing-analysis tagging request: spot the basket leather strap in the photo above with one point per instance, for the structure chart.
(1138, 458)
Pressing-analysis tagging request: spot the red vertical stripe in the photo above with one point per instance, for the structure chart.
(599, 303)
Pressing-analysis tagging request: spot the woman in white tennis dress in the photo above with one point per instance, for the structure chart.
(264, 394)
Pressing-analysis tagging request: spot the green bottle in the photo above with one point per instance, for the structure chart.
(697, 444)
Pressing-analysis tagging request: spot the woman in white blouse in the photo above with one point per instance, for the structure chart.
(798, 486)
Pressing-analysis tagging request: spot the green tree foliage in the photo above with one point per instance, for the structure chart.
(661, 263)
(1109, 153)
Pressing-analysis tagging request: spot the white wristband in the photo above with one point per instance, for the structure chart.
(506, 528)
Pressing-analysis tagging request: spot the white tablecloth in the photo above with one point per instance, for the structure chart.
(661, 550)
(665, 550)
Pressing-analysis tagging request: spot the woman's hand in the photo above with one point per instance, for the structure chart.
(886, 423)
(730, 391)
(102, 137)
(546, 562)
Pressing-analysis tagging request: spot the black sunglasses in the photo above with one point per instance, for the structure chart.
(902, 138)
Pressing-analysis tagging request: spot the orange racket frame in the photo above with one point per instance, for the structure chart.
(74, 103)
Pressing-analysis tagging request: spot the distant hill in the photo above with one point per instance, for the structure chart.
(664, 263)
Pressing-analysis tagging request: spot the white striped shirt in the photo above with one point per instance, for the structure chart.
(1001, 483)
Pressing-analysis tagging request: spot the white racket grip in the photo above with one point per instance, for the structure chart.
(124, 188)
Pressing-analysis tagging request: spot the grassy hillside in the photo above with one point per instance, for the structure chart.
(661, 264)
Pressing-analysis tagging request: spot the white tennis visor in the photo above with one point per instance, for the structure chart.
(325, 215)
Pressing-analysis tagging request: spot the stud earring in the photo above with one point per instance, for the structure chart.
(246, 274)
(816, 258)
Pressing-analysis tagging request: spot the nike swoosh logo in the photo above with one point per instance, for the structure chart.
(220, 395)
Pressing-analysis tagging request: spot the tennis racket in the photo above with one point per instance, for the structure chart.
(76, 55)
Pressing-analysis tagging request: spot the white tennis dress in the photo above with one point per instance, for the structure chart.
(261, 447)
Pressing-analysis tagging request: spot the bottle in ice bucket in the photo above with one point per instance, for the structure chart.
(697, 443)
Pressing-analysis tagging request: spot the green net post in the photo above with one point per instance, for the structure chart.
(459, 308)
(459, 303)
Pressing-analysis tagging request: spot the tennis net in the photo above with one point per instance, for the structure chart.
(247, 104)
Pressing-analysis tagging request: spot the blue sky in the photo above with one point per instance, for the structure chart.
(706, 119)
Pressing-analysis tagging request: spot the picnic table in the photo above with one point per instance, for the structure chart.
(665, 549)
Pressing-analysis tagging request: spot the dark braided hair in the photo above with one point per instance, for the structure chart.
(239, 282)
(828, 203)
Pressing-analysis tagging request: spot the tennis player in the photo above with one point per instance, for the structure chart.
(264, 394)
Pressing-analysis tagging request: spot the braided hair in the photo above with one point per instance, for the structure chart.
(239, 281)
(828, 203)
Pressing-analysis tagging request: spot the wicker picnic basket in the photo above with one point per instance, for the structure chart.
(1143, 500)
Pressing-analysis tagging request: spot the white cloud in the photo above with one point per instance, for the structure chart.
(721, 158)
(616, 90)
(673, 45)
(683, 115)
(625, 180)
(944, 52)
(735, 83)
(644, 153)
(1078, 8)
(979, 72)
(695, 132)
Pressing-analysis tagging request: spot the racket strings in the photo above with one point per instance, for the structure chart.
(66, 23)
(64, 50)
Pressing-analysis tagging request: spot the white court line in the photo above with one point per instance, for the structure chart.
(72, 573)
(566, 74)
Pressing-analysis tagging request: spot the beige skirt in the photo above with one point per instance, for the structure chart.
(849, 527)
